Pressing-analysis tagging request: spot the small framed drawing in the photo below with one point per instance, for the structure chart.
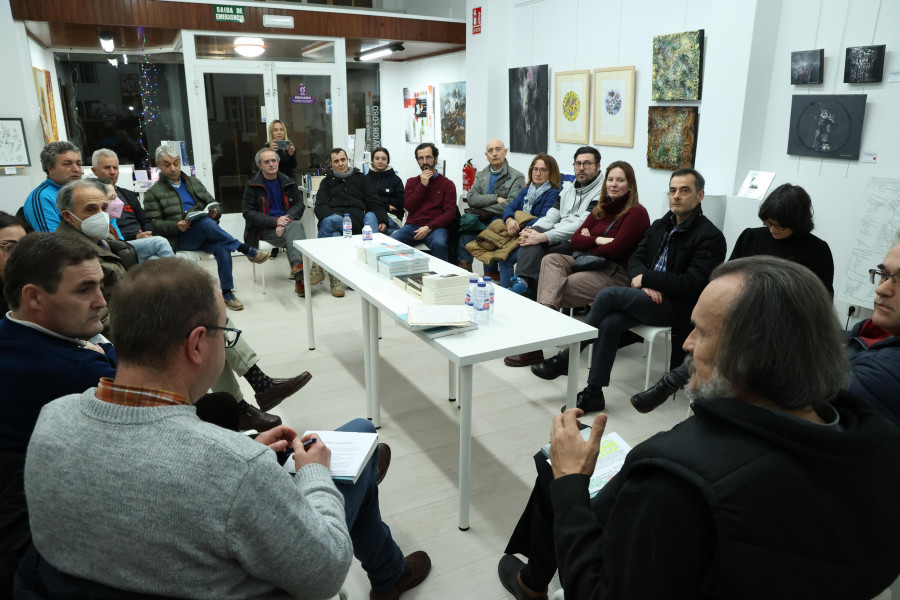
(614, 106)
(13, 146)
(806, 66)
(572, 106)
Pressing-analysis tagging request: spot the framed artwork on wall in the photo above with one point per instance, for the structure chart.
(672, 137)
(806, 66)
(453, 113)
(529, 109)
(678, 66)
(827, 126)
(572, 106)
(13, 146)
(864, 64)
(614, 106)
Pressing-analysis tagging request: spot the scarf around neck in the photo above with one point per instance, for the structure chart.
(533, 194)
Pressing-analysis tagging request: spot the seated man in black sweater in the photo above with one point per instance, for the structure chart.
(780, 486)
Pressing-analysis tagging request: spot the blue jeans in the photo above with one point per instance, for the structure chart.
(331, 226)
(507, 268)
(205, 234)
(614, 311)
(373, 545)
(372, 221)
(462, 254)
(151, 248)
(436, 240)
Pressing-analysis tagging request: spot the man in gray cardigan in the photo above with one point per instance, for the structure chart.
(146, 497)
(495, 187)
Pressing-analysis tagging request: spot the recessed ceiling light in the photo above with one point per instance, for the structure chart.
(250, 47)
(106, 41)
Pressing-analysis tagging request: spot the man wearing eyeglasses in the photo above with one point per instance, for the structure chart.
(128, 489)
(553, 232)
(874, 345)
(430, 202)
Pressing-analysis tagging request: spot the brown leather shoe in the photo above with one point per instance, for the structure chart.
(417, 567)
(494, 275)
(253, 418)
(523, 360)
(297, 272)
(384, 462)
(281, 389)
(299, 289)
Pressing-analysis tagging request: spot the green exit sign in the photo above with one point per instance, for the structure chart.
(232, 14)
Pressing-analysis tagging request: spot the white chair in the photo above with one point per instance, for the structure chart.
(263, 245)
(197, 255)
(650, 333)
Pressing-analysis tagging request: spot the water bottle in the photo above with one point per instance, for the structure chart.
(366, 233)
(481, 302)
(470, 293)
(348, 227)
(490, 288)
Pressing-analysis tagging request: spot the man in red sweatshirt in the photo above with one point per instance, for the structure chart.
(430, 199)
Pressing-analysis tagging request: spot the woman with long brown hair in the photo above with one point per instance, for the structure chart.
(611, 232)
(287, 159)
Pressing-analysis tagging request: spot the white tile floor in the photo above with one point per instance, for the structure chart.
(512, 410)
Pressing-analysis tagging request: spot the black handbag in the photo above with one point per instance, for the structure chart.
(585, 261)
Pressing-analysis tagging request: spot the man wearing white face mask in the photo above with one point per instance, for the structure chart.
(83, 206)
(147, 245)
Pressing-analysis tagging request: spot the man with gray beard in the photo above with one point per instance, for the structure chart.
(781, 485)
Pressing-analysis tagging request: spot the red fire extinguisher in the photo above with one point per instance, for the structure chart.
(468, 175)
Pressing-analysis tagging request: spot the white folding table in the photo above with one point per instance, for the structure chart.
(518, 325)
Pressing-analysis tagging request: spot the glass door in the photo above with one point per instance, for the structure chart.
(304, 105)
(235, 112)
(297, 80)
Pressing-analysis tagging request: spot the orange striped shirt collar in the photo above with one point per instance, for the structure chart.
(126, 395)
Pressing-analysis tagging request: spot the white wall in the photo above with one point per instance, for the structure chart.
(746, 98)
(417, 75)
(20, 101)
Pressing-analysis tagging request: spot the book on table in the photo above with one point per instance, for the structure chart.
(414, 280)
(199, 213)
(402, 264)
(371, 253)
(613, 450)
(436, 331)
(350, 452)
(440, 315)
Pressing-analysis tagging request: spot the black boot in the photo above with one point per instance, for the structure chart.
(670, 383)
(552, 367)
(590, 399)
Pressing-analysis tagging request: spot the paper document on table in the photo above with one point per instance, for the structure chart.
(350, 451)
(439, 314)
(613, 450)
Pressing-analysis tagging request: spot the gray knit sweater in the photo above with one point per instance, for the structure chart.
(154, 500)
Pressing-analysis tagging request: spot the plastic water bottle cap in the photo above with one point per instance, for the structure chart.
(481, 284)
(473, 280)
(487, 280)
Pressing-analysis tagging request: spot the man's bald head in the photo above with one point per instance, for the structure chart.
(496, 153)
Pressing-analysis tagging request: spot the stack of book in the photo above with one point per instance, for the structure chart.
(438, 321)
(370, 254)
(444, 289)
(391, 265)
(412, 283)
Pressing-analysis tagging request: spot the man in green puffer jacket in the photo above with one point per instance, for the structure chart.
(168, 203)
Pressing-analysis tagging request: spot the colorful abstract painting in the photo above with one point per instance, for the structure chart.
(453, 113)
(572, 106)
(418, 115)
(672, 137)
(529, 109)
(678, 66)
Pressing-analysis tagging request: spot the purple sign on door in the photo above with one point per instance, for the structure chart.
(301, 97)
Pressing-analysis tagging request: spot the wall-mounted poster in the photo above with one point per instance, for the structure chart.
(529, 109)
(614, 106)
(678, 66)
(13, 147)
(864, 64)
(418, 122)
(806, 66)
(572, 106)
(827, 126)
(453, 113)
(44, 86)
(672, 139)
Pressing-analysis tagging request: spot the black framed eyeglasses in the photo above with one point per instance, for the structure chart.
(230, 334)
(884, 276)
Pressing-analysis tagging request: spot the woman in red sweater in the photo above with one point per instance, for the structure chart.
(612, 230)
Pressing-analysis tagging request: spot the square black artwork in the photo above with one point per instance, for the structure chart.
(864, 64)
(529, 109)
(827, 126)
(806, 66)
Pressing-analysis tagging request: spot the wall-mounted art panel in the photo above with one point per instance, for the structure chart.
(672, 137)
